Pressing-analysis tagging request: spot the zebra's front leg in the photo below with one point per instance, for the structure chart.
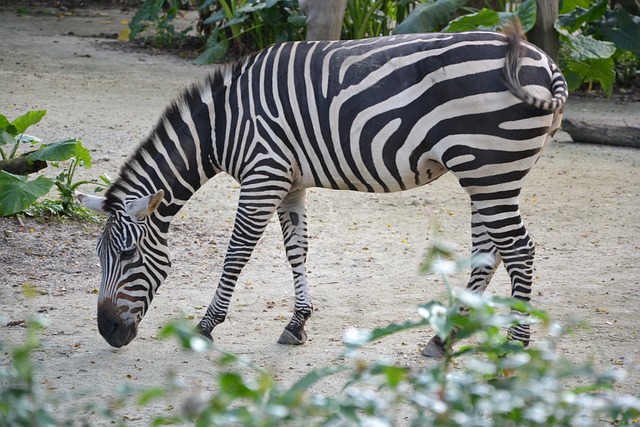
(255, 207)
(482, 271)
(293, 220)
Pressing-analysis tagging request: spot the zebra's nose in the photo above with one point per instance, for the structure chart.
(113, 329)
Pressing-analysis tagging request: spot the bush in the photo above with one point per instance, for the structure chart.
(597, 40)
(241, 26)
(486, 381)
(17, 192)
(599, 43)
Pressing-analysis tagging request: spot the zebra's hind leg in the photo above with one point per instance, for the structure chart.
(509, 235)
(481, 274)
(292, 213)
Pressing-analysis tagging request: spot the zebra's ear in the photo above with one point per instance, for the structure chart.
(93, 203)
(144, 206)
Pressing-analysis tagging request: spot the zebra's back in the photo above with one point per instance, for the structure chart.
(389, 113)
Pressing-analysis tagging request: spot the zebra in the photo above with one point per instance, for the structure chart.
(374, 115)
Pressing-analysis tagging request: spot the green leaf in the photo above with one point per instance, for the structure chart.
(215, 51)
(6, 137)
(586, 47)
(4, 122)
(297, 20)
(302, 385)
(150, 394)
(57, 151)
(569, 5)
(578, 16)
(216, 17)
(393, 328)
(248, 7)
(233, 384)
(211, 55)
(626, 32)
(600, 70)
(395, 375)
(428, 16)
(574, 80)
(83, 154)
(22, 362)
(527, 13)
(16, 193)
(484, 19)
(23, 122)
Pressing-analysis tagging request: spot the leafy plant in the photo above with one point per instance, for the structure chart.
(17, 192)
(488, 19)
(158, 16)
(241, 25)
(596, 41)
(367, 18)
(434, 15)
(20, 402)
(591, 38)
(485, 380)
(247, 25)
(429, 16)
(501, 382)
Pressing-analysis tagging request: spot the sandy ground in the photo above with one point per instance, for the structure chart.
(580, 203)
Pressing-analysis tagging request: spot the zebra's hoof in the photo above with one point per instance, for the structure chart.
(205, 334)
(434, 348)
(291, 338)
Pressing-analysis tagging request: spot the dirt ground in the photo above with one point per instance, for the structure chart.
(581, 205)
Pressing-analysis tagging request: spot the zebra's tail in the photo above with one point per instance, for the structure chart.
(515, 51)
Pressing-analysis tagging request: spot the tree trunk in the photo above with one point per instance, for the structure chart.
(543, 34)
(324, 18)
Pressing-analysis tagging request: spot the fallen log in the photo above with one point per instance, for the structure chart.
(22, 165)
(600, 133)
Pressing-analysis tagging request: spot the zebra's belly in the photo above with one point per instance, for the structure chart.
(381, 178)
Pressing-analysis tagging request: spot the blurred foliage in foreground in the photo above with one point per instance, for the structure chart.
(487, 380)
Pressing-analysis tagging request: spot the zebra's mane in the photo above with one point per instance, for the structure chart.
(126, 185)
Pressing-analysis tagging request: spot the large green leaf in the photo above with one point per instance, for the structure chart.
(23, 122)
(429, 16)
(586, 47)
(574, 80)
(570, 5)
(57, 151)
(83, 154)
(578, 16)
(623, 30)
(527, 13)
(217, 46)
(600, 70)
(485, 19)
(17, 194)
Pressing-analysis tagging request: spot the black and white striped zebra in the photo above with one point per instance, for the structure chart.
(376, 115)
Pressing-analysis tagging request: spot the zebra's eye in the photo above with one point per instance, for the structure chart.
(128, 253)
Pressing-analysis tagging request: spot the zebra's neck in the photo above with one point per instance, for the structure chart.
(177, 157)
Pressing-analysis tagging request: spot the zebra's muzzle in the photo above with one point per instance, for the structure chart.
(116, 331)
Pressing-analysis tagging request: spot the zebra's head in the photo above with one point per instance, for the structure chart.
(134, 260)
